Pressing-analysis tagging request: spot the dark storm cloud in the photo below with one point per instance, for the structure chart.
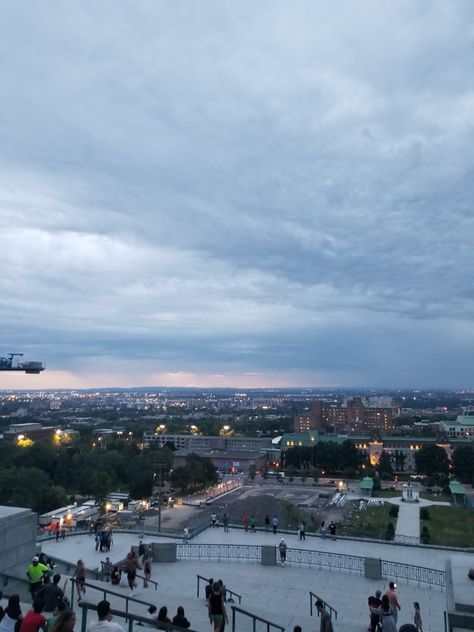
(240, 187)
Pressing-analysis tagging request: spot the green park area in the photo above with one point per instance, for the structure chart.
(373, 522)
(386, 493)
(448, 526)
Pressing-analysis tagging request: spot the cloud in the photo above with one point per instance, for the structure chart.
(229, 190)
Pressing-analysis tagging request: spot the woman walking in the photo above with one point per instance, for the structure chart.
(216, 608)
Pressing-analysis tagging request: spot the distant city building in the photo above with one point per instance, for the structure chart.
(206, 442)
(356, 414)
(463, 427)
(27, 434)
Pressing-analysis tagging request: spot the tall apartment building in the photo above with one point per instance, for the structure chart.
(356, 415)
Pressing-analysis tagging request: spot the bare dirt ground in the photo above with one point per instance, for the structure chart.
(258, 502)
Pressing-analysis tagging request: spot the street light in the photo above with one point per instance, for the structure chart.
(159, 466)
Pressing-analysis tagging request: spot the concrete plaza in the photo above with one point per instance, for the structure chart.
(278, 594)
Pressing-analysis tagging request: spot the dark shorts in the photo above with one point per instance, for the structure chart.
(131, 575)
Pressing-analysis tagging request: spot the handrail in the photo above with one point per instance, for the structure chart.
(131, 618)
(255, 618)
(106, 592)
(312, 596)
(230, 592)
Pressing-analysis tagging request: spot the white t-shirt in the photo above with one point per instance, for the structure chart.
(104, 626)
(7, 624)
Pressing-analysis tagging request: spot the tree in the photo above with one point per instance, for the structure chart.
(400, 458)
(141, 486)
(463, 461)
(431, 459)
(385, 466)
(351, 457)
(29, 487)
(197, 473)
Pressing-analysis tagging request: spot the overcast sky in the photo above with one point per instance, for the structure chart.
(238, 193)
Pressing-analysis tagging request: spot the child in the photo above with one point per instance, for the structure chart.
(417, 617)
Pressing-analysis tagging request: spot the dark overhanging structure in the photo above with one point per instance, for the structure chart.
(10, 364)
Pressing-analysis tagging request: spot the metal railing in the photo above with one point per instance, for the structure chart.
(339, 561)
(420, 574)
(131, 618)
(321, 559)
(406, 539)
(105, 592)
(249, 553)
(232, 594)
(313, 596)
(269, 625)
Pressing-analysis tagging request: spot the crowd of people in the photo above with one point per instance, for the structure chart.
(384, 609)
(50, 611)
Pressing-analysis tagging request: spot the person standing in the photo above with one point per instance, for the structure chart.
(12, 615)
(216, 609)
(386, 616)
(80, 577)
(34, 620)
(275, 523)
(245, 520)
(326, 623)
(267, 523)
(393, 600)
(65, 622)
(185, 535)
(301, 531)
(131, 567)
(209, 585)
(36, 571)
(417, 617)
(374, 602)
(225, 522)
(332, 530)
(50, 594)
(322, 529)
(282, 547)
(141, 551)
(146, 570)
(252, 524)
(105, 623)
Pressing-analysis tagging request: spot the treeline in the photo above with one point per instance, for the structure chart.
(333, 458)
(326, 457)
(44, 477)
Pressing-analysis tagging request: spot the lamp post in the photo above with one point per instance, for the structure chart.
(159, 466)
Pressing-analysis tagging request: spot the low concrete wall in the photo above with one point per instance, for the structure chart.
(268, 555)
(373, 568)
(17, 539)
(164, 552)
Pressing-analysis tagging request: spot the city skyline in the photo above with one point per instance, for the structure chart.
(237, 196)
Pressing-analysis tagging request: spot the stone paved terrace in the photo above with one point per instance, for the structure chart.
(279, 594)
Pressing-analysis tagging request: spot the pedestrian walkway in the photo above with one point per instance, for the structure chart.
(408, 523)
(278, 594)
